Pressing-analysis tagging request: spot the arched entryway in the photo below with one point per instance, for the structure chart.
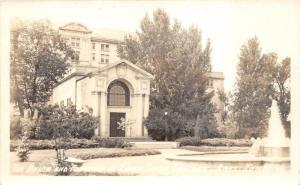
(118, 95)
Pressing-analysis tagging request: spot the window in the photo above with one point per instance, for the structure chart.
(104, 47)
(94, 45)
(93, 56)
(104, 58)
(118, 94)
(75, 42)
(210, 83)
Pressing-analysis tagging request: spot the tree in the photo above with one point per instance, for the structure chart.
(38, 61)
(253, 93)
(282, 91)
(180, 64)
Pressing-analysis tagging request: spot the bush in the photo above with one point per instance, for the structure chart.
(111, 142)
(189, 141)
(165, 127)
(78, 124)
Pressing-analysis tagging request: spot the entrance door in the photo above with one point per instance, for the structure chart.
(115, 117)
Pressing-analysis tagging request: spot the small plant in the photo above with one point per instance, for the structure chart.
(23, 149)
(64, 168)
(125, 124)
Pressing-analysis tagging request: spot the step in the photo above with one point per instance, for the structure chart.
(155, 145)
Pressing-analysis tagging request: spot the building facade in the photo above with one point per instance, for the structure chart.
(108, 86)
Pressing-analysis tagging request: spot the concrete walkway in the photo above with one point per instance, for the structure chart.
(138, 165)
(156, 165)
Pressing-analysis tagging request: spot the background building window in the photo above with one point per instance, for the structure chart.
(94, 45)
(75, 42)
(118, 94)
(104, 47)
(93, 56)
(104, 58)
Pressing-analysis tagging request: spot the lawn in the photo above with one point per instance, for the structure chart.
(41, 159)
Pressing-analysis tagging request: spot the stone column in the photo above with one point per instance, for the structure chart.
(139, 114)
(96, 109)
(103, 109)
(146, 111)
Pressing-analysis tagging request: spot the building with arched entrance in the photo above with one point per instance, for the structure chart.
(118, 90)
(111, 88)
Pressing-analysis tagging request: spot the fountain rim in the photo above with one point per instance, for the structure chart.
(203, 158)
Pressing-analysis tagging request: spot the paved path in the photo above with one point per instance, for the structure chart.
(157, 165)
(138, 165)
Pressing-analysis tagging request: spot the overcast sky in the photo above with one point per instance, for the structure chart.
(227, 23)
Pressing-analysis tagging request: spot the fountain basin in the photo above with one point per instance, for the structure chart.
(283, 151)
(241, 161)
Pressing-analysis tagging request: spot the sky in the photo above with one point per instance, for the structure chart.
(228, 24)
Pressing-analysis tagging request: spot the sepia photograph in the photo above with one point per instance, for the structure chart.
(150, 89)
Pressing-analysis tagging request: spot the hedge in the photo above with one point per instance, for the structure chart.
(75, 143)
(189, 141)
(227, 142)
(196, 141)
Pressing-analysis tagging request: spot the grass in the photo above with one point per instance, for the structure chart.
(40, 159)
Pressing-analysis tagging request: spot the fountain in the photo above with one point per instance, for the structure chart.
(269, 154)
(276, 144)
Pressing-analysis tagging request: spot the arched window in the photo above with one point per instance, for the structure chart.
(118, 94)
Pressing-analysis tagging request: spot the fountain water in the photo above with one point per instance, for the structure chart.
(276, 134)
(276, 144)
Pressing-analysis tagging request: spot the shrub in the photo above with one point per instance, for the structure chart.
(165, 127)
(189, 141)
(111, 142)
(77, 124)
